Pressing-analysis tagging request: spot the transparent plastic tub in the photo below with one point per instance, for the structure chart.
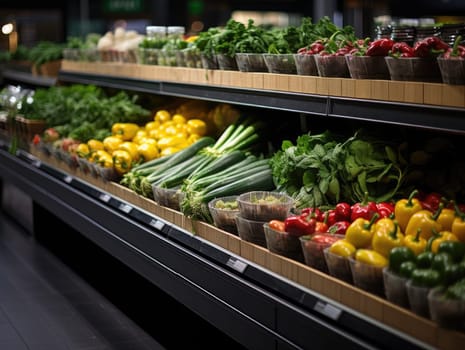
(367, 277)
(283, 244)
(280, 63)
(395, 288)
(367, 67)
(332, 66)
(250, 62)
(305, 64)
(414, 69)
(338, 266)
(224, 217)
(452, 70)
(264, 205)
(251, 231)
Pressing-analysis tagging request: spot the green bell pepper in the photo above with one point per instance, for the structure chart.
(425, 259)
(406, 268)
(426, 278)
(455, 248)
(398, 255)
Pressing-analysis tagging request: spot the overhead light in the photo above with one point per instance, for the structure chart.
(7, 28)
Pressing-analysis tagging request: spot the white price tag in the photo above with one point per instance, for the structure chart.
(125, 208)
(327, 309)
(236, 264)
(37, 163)
(104, 197)
(68, 179)
(157, 224)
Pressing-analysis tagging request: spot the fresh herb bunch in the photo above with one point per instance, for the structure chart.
(321, 170)
(46, 51)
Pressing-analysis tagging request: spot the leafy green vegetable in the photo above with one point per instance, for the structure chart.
(321, 170)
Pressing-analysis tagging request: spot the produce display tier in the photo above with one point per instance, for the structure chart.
(256, 307)
(432, 106)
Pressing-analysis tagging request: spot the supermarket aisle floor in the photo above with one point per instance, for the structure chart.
(45, 305)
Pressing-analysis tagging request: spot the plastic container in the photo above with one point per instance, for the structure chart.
(305, 64)
(414, 69)
(280, 63)
(264, 205)
(418, 299)
(367, 277)
(338, 266)
(209, 61)
(313, 251)
(226, 62)
(332, 66)
(452, 70)
(395, 288)
(251, 231)
(447, 313)
(367, 67)
(250, 62)
(224, 217)
(283, 244)
(167, 197)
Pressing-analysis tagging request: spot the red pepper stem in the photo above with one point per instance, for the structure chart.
(455, 47)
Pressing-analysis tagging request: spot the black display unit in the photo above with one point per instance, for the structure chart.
(256, 307)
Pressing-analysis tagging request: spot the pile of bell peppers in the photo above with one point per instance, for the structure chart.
(427, 47)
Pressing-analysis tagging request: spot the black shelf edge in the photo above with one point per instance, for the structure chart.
(445, 119)
(11, 75)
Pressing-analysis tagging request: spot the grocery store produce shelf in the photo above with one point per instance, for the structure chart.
(438, 107)
(255, 306)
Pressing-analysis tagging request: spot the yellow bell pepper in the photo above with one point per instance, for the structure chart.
(95, 145)
(140, 135)
(360, 232)
(458, 227)
(196, 126)
(343, 248)
(126, 131)
(441, 237)
(415, 242)
(426, 221)
(445, 218)
(405, 208)
(371, 257)
(122, 161)
(132, 149)
(111, 143)
(162, 116)
(103, 158)
(83, 150)
(147, 151)
(386, 236)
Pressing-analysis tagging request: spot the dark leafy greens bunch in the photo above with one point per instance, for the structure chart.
(321, 170)
(83, 111)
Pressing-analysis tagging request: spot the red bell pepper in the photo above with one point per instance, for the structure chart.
(401, 49)
(343, 211)
(321, 227)
(299, 225)
(339, 227)
(315, 213)
(380, 47)
(429, 47)
(431, 201)
(385, 209)
(364, 209)
(324, 238)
